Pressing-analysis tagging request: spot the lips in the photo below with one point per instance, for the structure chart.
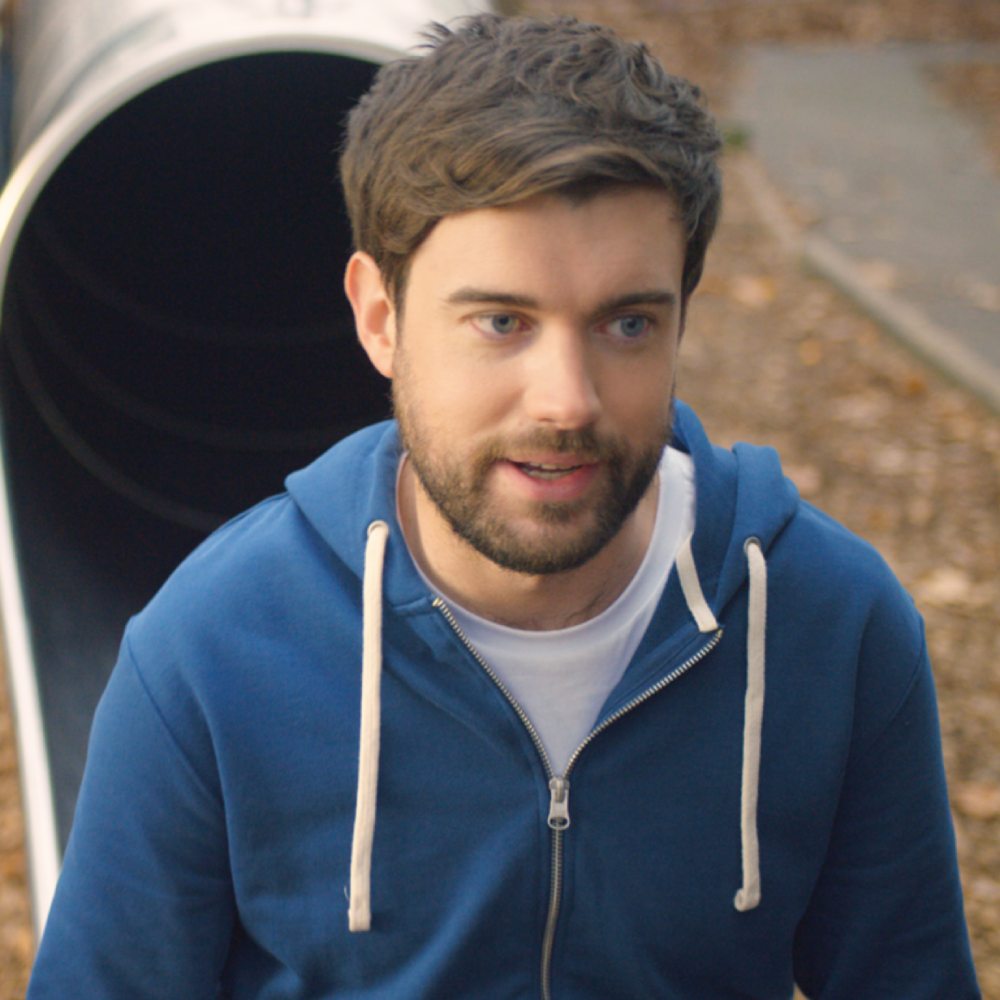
(544, 470)
(552, 479)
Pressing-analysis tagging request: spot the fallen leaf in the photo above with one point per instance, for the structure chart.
(913, 384)
(807, 478)
(754, 291)
(811, 352)
(949, 586)
(977, 799)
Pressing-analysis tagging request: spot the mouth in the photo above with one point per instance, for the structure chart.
(561, 479)
(546, 471)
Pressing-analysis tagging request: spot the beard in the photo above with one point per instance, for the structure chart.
(562, 535)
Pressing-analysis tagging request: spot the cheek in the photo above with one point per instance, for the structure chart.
(478, 406)
(471, 396)
(455, 406)
(641, 401)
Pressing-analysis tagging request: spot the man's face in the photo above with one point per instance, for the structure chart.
(533, 370)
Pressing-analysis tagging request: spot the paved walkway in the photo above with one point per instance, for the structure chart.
(905, 198)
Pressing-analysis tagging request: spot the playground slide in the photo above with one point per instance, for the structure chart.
(173, 338)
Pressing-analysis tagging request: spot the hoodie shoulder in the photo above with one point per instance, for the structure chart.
(743, 494)
(349, 486)
(824, 582)
(248, 563)
(839, 560)
(271, 557)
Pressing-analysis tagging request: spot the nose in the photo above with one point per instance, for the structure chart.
(560, 388)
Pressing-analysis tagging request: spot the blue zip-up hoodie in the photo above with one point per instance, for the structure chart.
(763, 799)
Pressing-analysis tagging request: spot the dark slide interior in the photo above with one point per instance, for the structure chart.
(174, 342)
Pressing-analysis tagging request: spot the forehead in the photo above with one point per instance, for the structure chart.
(556, 247)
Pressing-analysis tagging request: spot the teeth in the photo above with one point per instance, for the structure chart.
(548, 471)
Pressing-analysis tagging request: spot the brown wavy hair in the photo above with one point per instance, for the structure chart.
(501, 109)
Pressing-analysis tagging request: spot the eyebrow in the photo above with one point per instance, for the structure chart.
(485, 296)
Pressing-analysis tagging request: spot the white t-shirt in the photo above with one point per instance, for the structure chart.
(562, 677)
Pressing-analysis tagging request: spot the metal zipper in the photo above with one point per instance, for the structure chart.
(555, 897)
(495, 677)
(648, 693)
(559, 819)
(560, 803)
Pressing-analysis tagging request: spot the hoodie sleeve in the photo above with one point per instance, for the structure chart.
(144, 903)
(886, 917)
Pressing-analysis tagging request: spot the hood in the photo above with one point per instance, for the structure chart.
(742, 504)
(350, 487)
(741, 494)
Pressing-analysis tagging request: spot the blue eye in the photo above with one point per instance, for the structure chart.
(629, 327)
(498, 324)
(503, 323)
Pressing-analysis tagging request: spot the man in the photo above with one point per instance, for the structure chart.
(531, 691)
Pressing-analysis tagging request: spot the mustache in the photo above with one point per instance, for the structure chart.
(583, 442)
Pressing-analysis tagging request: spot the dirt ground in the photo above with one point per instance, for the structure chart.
(775, 355)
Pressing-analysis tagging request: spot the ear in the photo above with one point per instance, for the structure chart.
(374, 313)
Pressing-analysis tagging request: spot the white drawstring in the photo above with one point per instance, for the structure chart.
(359, 917)
(691, 586)
(749, 895)
(753, 717)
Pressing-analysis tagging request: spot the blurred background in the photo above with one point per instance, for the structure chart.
(849, 316)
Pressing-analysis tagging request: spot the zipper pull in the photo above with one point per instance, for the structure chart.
(558, 803)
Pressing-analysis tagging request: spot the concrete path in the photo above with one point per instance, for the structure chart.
(905, 199)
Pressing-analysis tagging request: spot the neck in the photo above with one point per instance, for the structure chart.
(521, 600)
